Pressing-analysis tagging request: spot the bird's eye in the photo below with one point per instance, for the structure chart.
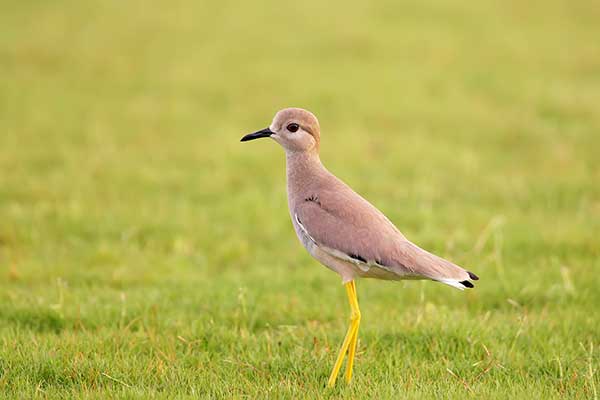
(293, 127)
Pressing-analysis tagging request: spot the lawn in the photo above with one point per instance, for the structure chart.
(146, 253)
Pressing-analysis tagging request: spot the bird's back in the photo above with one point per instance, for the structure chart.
(340, 221)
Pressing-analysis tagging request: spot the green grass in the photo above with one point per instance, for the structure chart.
(146, 253)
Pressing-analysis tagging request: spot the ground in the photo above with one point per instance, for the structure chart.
(146, 253)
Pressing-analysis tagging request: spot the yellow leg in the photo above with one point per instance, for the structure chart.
(354, 340)
(349, 343)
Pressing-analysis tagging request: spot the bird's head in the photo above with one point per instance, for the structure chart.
(295, 129)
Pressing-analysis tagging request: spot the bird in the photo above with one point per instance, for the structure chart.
(342, 230)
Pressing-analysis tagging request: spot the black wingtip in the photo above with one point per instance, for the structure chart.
(358, 257)
(473, 276)
(467, 284)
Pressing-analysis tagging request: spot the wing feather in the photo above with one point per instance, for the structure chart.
(348, 227)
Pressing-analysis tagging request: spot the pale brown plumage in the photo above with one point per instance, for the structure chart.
(340, 228)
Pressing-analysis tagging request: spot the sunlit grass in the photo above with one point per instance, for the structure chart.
(145, 252)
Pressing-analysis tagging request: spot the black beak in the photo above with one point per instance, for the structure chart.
(257, 135)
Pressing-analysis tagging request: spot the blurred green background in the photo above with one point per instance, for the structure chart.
(146, 253)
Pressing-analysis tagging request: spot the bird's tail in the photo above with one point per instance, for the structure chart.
(438, 269)
(461, 285)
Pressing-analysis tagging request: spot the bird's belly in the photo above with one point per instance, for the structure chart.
(346, 270)
(350, 270)
(378, 273)
(311, 246)
(308, 242)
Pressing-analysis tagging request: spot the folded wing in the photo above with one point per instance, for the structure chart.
(359, 233)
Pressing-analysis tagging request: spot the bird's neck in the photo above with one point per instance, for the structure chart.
(303, 170)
